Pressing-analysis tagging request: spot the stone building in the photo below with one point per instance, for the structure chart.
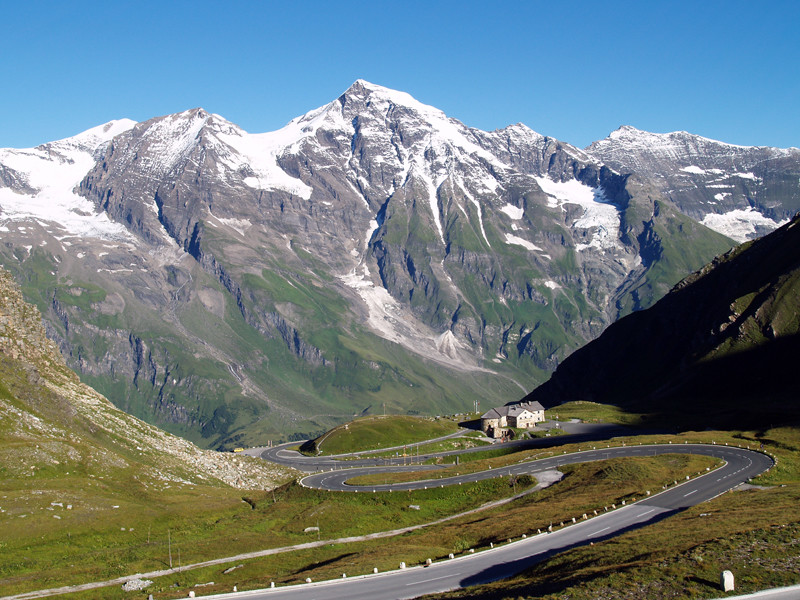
(522, 416)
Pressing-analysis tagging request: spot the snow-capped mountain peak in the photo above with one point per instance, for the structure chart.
(96, 136)
(631, 135)
(40, 182)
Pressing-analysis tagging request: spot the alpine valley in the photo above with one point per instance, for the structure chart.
(372, 255)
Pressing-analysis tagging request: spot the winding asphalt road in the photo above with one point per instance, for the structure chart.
(578, 433)
(509, 559)
(336, 481)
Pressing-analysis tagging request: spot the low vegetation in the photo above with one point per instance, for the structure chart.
(280, 521)
(592, 412)
(463, 442)
(371, 433)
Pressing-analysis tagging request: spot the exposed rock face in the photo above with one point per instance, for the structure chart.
(741, 191)
(238, 286)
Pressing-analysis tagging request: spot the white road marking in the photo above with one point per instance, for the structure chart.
(596, 532)
(434, 579)
(690, 493)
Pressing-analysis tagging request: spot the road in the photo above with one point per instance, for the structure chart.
(501, 562)
(578, 433)
(336, 480)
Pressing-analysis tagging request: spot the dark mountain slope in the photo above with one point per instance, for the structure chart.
(720, 350)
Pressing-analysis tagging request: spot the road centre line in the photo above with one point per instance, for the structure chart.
(690, 493)
(599, 531)
(434, 579)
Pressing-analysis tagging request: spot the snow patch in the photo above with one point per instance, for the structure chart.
(53, 170)
(513, 239)
(741, 224)
(599, 216)
(373, 227)
(694, 170)
(433, 199)
(513, 212)
(260, 151)
(749, 176)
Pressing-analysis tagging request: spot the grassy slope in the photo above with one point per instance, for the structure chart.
(372, 433)
(281, 522)
(82, 503)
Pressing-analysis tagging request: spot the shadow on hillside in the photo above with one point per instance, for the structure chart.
(552, 585)
(757, 388)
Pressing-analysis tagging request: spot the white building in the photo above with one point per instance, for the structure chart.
(520, 415)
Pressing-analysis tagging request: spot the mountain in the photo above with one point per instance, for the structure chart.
(718, 351)
(58, 433)
(235, 287)
(740, 191)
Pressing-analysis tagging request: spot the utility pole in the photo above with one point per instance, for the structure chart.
(169, 545)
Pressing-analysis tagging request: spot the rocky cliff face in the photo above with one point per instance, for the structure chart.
(238, 286)
(740, 191)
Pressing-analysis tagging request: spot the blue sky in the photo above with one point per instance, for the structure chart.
(575, 71)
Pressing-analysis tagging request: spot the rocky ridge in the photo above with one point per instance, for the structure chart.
(741, 191)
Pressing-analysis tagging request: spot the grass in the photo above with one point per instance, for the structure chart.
(460, 443)
(592, 412)
(90, 544)
(584, 488)
(265, 523)
(372, 433)
(94, 541)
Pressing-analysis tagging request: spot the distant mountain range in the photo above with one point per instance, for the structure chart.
(235, 287)
(719, 351)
